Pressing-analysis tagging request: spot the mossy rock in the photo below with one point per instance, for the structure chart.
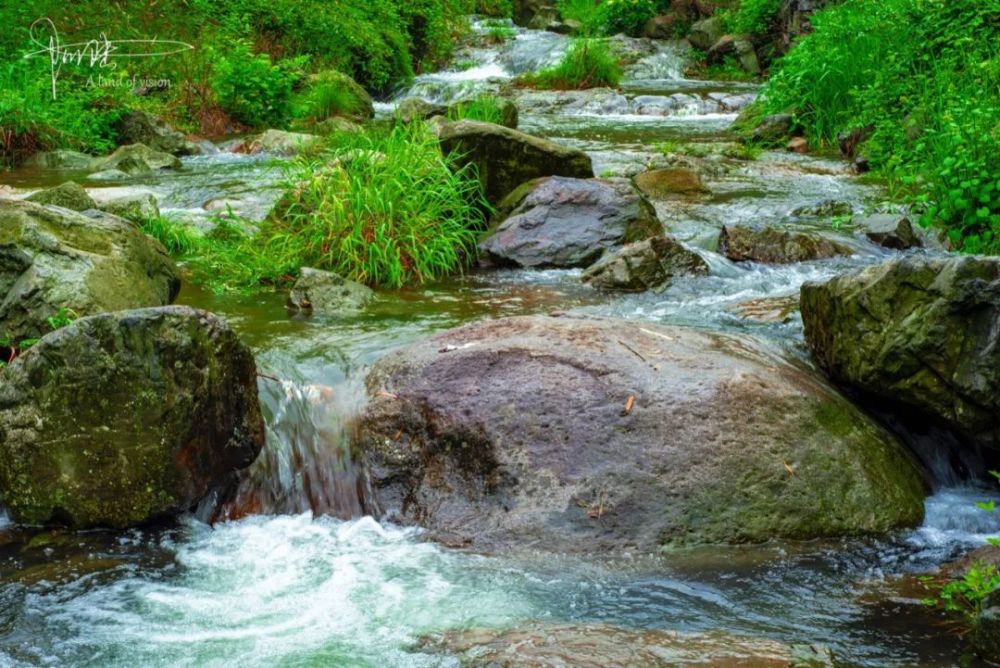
(54, 259)
(135, 160)
(505, 158)
(69, 195)
(773, 246)
(122, 418)
(919, 331)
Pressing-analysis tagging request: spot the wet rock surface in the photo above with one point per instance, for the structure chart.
(325, 293)
(55, 259)
(506, 158)
(920, 331)
(565, 222)
(121, 418)
(773, 246)
(69, 195)
(644, 265)
(593, 435)
(601, 645)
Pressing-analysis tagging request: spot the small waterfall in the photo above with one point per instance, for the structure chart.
(665, 65)
(305, 466)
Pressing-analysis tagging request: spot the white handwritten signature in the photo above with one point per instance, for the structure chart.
(95, 52)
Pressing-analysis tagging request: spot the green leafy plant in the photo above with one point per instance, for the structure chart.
(588, 63)
(752, 17)
(253, 90)
(924, 77)
(63, 318)
(627, 16)
(382, 210)
(498, 32)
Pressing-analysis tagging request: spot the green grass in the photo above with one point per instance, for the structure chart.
(924, 75)
(485, 107)
(380, 208)
(587, 64)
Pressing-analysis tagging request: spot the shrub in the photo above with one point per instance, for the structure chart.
(753, 17)
(253, 90)
(497, 8)
(588, 63)
(925, 76)
(627, 16)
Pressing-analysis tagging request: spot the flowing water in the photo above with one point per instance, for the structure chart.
(292, 574)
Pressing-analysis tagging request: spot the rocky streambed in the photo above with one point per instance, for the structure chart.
(530, 442)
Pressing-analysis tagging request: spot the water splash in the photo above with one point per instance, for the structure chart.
(306, 465)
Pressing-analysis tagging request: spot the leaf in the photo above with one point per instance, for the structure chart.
(988, 506)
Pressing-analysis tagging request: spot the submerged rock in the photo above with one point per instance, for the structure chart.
(52, 259)
(768, 309)
(69, 195)
(589, 435)
(601, 645)
(137, 208)
(135, 160)
(773, 246)
(663, 183)
(326, 293)
(922, 332)
(125, 417)
(108, 175)
(565, 222)
(59, 159)
(644, 265)
(506, 158)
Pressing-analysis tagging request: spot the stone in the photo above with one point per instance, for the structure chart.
(138, 208)
(706, 33)
(738, 47)
(60, 159)
(278, 142)
(920, 332)
(773, 246)
(588, 435)
(55, 259)
(768, 309)
(135, 160)
(889, 230)
(418, 109)
(506, 158)
(663, 183)
(798, 145)
(663, 26)
(69, 195)
(326, 293)
(565, 222)
(127, 417)
(644, 265)
(335, 125)
(849, 141)
(772, 129)
(542, 645)
(830, 208)
(140, 127)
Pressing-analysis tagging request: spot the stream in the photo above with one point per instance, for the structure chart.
(292, 574)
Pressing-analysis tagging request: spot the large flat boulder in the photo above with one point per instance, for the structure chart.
(920, 331)
(125, 417)
(590, 435)
(599, 645)
(566, 222)
(53, 259)
(505, 158)
(69, 195)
